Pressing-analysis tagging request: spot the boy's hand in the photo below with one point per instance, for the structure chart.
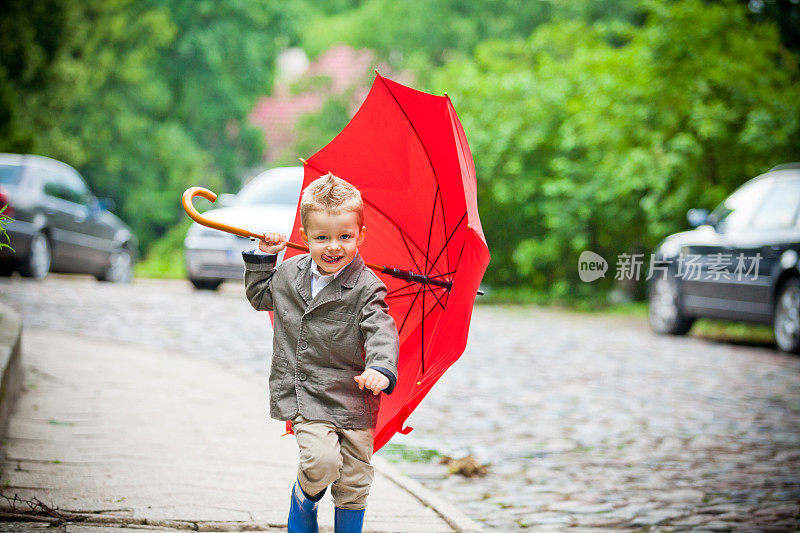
(272, 243)
(373, 380)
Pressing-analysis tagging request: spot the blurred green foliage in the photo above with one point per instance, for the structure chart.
(423, 35)
(594, 124)
(145, 98)
(601, 136)
(5, 220)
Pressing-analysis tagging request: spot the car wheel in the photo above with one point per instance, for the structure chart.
(787, 317)
(37, 264)
(206, 284)
(666, 315)
(120, 267)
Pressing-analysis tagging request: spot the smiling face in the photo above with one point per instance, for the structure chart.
(332, 239)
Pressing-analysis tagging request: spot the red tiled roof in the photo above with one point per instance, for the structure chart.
(277, 115)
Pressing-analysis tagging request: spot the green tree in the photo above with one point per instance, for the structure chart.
(220, 62)
(144, 98)
(420, 34)
(601, 136)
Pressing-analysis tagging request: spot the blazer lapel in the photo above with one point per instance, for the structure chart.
(303, 282)
(329, 293)
(333, 290)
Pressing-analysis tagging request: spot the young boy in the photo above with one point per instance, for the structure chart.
(335, 348)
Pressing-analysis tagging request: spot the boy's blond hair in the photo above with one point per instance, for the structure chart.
(333, 195)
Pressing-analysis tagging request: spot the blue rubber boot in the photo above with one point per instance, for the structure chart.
(347, 520)
(303, 512)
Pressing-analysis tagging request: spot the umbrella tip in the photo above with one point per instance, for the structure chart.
(446, 95)
(376, 71)
(303, 160)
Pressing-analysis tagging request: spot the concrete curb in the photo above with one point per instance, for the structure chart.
(10, 364)
(455, 518)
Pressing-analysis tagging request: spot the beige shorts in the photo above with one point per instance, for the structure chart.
(334, 455)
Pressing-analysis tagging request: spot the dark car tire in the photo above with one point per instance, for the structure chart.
(6, 269)
(37, 263)
(786, 324)
(665, 312)
(206, 284)
(120, 267)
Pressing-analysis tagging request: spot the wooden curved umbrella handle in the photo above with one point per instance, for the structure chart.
(186, 200)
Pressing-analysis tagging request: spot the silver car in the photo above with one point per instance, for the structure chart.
(267, 203)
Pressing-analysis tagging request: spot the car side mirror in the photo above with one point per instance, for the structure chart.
(697, 217)
(106, 204)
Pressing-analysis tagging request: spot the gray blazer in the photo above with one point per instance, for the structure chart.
(320, 345)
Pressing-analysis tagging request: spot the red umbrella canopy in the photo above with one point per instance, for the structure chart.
(406, 151)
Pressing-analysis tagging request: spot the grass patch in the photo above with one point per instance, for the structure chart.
(589, 301)
(55, 422)
(166, 258)
(397, 453)
(738, 332)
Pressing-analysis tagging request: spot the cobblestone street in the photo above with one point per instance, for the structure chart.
(583, 421)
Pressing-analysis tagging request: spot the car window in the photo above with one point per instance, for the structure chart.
(737, 210)
(52, 182)
(10, 174)
(77, 190)
(779, 208)
(280, 190)
(64, 185)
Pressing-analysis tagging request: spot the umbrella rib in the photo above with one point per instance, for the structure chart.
(422, 331)
(463, 245)
(419, 138)
(444, 231)
(404, 295)
(405, 318)
(443, 275)
(425, 317)
(400, 289)
(438, 301)
(444, 246)
(416, 265)
(410, 253)
(430, 228)
(411, 293)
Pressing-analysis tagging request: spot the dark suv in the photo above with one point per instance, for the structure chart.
(740, 263)
(59, 225)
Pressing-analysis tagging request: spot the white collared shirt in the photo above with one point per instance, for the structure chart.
(319, 280)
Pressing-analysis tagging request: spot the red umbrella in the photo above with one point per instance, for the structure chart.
(406, 151)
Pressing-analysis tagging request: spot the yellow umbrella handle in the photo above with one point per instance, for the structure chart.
(191, 192)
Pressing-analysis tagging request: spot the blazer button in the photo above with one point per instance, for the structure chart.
(302, 376)
(303, 345)
(310, 315)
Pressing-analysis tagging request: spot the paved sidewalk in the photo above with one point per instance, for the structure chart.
(119, 435)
